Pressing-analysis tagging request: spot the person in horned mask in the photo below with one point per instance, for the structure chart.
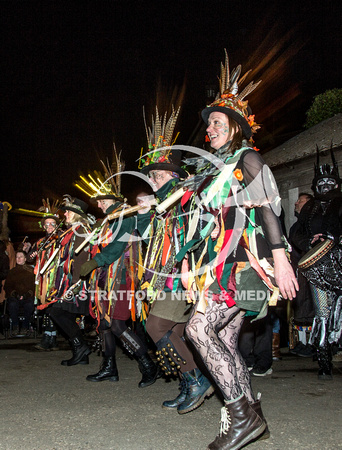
(320, 224)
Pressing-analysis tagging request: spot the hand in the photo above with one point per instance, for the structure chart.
(316, 237)
(26, 247)
(145, 201)
(284, 275)
(88, 267)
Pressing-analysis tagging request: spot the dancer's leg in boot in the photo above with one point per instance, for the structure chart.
(157, 328)
(51, 330)
(138, 349)
(257, 408)
(67, 322)
(215, 337)
(130, 340)
(140, 331)
(228, 336)
(169, 338)
(324, 356)
(49, 338)
(319, 333)
(246, 345)
(108, 369)
(219, 352)
(240, 425)
(44, 343)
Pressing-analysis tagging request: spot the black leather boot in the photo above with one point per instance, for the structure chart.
(80, 352)
(324, 358)
(257, 408)
(173, 404)
(135, 347)
(108, 371)
(148, 370)
(44, 344)
(197, 389)
(53, 343)
(240, 424)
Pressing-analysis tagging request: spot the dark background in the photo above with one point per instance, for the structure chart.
(76, 75)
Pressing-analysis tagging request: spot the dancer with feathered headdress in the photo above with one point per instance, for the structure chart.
(169, 310)
(70, 298)
(232, 228)
(112, 276)
(39, 254)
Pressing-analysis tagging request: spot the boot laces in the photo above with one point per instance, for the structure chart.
(225, 421)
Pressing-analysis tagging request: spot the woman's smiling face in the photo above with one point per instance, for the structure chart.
(218, 129)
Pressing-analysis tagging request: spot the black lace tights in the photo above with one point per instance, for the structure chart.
(215, 337)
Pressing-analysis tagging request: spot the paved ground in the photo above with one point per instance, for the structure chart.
(47, 406)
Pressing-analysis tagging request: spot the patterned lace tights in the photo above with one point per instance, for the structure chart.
(215, 336)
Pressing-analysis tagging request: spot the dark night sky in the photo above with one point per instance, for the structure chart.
(75, 76)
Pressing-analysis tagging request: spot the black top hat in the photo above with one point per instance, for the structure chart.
(246, 129)
(77, 206)
(171, 163)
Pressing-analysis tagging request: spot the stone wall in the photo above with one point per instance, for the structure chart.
(292, 163)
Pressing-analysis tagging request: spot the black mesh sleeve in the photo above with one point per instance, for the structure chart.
(263, 194)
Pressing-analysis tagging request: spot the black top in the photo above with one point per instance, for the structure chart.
(318, 217)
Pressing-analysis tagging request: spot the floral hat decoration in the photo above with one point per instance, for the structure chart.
(161, 155)
(231, 102)
(100, 186)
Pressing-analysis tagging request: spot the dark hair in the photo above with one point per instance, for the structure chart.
(236, 142)
(302, 194)
(49, 217)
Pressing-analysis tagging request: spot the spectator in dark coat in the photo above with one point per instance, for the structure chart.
(19, 288)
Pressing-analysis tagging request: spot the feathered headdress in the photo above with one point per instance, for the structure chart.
(100, 186)
(231, 102)
(160, 136)
(50, 210)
